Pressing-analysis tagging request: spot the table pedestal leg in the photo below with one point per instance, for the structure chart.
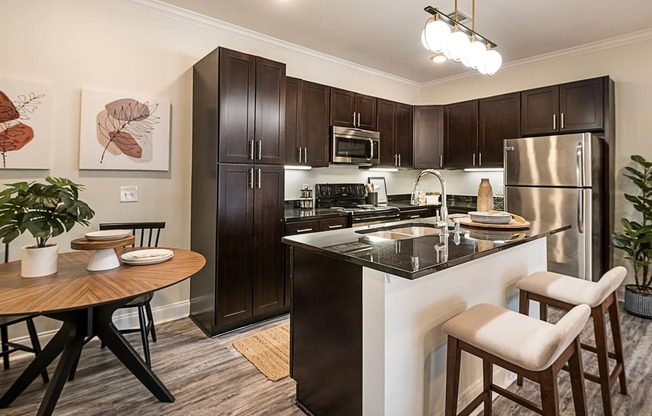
(103, 259)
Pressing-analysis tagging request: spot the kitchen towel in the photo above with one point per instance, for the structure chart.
(268, 351)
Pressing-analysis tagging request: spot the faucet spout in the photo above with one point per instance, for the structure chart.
(414, 200)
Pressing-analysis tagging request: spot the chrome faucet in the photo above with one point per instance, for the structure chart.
(443, 223)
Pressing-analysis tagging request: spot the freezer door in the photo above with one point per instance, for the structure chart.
(563, 160)
(569, 252)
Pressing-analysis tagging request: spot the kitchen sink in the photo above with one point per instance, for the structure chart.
(402, 232)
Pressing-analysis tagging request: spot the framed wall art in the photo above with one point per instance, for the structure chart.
(26, 112)
(124, 132)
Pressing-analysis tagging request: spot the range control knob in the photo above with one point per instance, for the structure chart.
(360, 189)
(325, 190)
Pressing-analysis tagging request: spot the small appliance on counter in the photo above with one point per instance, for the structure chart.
(350, 198)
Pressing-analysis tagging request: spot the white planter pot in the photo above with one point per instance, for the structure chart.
(37, 262)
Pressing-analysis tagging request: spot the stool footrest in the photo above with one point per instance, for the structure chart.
(474, 404)
(517, 399)
(594, 350)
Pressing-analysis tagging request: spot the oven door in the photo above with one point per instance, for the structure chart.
(350, 148)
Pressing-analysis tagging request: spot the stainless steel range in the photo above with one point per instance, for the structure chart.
(350, 197)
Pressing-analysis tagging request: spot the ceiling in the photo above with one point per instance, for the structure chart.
(385, 34)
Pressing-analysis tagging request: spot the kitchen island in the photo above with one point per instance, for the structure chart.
(368, 306)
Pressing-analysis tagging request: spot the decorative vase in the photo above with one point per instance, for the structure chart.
(485, 196)
(638, 303)
(39, 261)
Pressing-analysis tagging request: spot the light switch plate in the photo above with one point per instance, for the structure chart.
(128, 194)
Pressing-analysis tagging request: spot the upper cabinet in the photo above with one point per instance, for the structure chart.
(251, 109)
(461, 134)
(307, 123)
(394, 124)
(350, 109)
(499, 119)
(428, 137)
(571, 107)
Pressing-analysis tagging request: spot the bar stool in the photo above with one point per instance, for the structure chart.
(527, 346)
(565, 292)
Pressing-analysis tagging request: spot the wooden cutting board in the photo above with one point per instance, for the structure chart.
(512, 225)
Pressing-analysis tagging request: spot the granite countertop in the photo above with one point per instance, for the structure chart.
(415, 257)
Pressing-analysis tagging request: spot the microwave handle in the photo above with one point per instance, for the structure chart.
(371, 149)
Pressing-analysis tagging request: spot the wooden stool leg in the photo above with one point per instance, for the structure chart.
(523, 308)
(452, 376)
(488, 379)
(618, 343)
(549, 393)
(597, 314)
(543, 311)
(577, 380)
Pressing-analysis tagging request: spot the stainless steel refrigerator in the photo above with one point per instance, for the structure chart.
(559, 180)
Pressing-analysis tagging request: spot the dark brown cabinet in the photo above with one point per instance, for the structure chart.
(237, 209)
(394, 122)
(307, 123)
(428, 137)
(411, 214)
(461, 134)
(251, 98)
(571, 107)
(499, 119)
(350, 109)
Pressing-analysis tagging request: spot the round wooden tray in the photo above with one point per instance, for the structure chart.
(512, 225)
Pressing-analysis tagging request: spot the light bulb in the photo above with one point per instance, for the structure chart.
(492, 61)
(475, 53)
(436, 35)
(438, 58)
(457, 45)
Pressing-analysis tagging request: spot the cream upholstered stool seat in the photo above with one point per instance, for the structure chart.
(565, 292)
(532, 348)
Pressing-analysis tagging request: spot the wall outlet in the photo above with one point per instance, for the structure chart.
(128, 194)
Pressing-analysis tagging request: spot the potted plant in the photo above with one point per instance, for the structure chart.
(46, 210)
(636, 239)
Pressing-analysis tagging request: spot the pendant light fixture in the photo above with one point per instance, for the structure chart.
(450, 40)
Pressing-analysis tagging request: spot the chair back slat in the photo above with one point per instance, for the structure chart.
(6, 252)
(146, 231)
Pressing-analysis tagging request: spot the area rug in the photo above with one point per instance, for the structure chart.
(269, 351)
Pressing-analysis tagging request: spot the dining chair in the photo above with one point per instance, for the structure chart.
(9, 347)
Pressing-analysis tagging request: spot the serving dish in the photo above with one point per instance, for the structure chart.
(490, 218)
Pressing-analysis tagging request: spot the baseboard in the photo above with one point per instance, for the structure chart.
(126, 318)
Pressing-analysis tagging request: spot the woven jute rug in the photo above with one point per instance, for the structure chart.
(269, 351)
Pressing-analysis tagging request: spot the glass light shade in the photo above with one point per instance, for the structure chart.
(438, 58)
(436, 35)
(492, 61)
(457, 43)
(475, 53)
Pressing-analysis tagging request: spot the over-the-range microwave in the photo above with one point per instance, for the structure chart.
(355, 146)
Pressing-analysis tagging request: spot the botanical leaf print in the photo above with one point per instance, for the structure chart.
(14, 134)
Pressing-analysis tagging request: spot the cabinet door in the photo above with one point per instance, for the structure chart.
(315, 124)
(270, 112)
(461, 134)
(293, 90)
(411, 214)
(235, 244)
(500, 119)
(268, 277)
(365, 106)
(539, 110)
(581, 105)
(342, 107)
(329, 224)
(429, 137)
(387, 129)
(404, 138)
(237, 95)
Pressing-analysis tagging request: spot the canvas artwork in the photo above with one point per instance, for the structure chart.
(25, 124)
(124, 132)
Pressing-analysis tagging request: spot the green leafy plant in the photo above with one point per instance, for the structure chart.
(45, 210)
(636, 238)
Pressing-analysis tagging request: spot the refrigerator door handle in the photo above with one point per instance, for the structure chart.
(580, 210)
(580, 164)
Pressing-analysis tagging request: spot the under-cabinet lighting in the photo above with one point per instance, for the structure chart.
(297, 167)
(483, 169)
(384, 169)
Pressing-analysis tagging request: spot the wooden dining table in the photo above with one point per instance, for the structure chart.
(84, 301)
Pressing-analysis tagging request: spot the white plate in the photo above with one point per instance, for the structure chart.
(148, 256)
(485, 217)
(104, 235)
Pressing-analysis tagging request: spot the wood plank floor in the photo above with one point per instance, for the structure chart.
(208, 377)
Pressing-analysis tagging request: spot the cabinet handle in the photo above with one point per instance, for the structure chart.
(299, 154)
(399, 160)
(473, 159)
(251, 178)
(554, 121)
(251, 149)
(354, 119)
(304, 230)
(259, 179)
(260, 149)
(305, 155)
(562, 121)
(358, 119)
(395, 159)
(441, 161)
(332, 227)
(415, 216)
(479, 158)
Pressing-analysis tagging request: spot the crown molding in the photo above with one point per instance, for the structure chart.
(598, 46)
(210, 23)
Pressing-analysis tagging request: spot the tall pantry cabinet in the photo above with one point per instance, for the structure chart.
(237, 189)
